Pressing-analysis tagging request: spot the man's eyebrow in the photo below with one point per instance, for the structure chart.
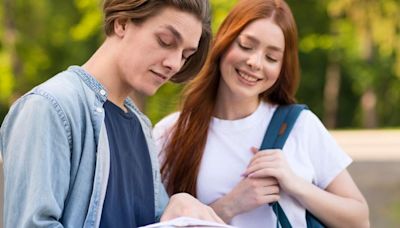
(174, 32)
(178, 36)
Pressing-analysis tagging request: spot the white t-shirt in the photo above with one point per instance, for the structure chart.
(310, 150)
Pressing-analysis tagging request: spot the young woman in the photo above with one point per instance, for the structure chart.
(209, 148)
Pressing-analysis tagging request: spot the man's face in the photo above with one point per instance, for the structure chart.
(152, 52)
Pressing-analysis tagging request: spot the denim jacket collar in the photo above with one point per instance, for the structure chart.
(101, 91)
(91, 82)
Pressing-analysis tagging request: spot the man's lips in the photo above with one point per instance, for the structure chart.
(163, 77)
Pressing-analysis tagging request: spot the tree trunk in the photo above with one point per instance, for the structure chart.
(368, 105)
(331, 93)
(10, 37)
(368, 98)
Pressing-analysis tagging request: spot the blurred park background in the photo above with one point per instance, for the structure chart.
(350, 60)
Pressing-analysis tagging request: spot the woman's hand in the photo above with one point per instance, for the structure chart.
(251, 193)
(272, 164)
(341, 204)
(248, 194)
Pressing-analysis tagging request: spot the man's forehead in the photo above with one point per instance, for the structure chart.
(186, 27)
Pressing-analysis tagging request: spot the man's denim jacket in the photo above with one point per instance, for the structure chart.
(56, 155)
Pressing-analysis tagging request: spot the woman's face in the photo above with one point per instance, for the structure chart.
(253, 62)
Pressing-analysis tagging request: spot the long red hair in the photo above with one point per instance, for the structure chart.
(187, 140)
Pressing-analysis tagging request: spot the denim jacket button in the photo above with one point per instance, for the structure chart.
(102, 92)
(100, 110)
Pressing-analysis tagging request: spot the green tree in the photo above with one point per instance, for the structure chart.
(39, 40)
(357, 42)
(349, 54)
(370, 36)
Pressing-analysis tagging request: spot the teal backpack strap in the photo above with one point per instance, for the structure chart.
(275, 137)
(281, 217)
(280, 126)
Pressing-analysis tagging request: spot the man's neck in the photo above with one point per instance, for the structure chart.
(101, 66)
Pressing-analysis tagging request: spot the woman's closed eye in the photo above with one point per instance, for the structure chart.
(245, 46)
(271, 59)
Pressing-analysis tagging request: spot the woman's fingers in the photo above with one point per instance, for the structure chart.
(260, 166)
(270, 154)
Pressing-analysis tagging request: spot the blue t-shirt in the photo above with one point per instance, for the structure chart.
(129, 200)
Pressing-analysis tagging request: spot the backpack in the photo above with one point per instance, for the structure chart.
(275, 137)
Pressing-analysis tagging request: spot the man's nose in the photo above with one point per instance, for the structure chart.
(173, 62)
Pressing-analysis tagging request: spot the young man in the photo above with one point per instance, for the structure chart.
(76, 150)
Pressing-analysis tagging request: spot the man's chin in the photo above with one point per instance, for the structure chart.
(145, 91)
(148, 92)
(139, 97)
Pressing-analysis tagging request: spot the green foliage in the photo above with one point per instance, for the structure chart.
(90, 21)
(363, 36)
(220, 9)
(38, 39)
(6, 77)
(166, 101)
(394, 209)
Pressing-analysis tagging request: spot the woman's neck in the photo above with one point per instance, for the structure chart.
(230, 108)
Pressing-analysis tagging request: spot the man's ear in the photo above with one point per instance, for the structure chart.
(120, 26)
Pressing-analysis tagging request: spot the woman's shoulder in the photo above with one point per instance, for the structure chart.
(309, 128)
(168, 121)
(308, 119)
(165, 124)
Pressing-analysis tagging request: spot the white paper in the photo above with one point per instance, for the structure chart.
(186, 222)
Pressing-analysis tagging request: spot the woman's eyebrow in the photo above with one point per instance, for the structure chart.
(257, 42)
(275, 48)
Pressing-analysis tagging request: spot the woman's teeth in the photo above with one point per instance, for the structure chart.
(247, 77)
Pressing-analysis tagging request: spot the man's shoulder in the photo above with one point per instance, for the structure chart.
(63, 93)
(62, 85)
(65, 89)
